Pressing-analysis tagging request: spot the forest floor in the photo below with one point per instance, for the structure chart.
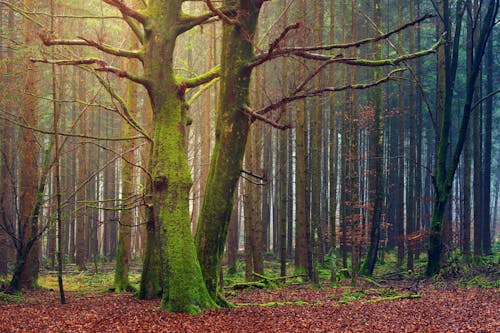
(436, 307)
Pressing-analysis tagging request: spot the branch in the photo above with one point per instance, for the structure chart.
(122, 73)
(256, 116)
(127, 11)
(27, 15)
(73, 62)
(102, 67)
(221, 14)
(358, 43)
(72, 135)
(251, 174)
(187, 22)
(299, 52)
(200, 79)
(412, 72)
(136, 29)
(321, 91)
(126, 112)
(370, 62)
(205, 87)
(282, 36)
(81, 41)
(476, 104)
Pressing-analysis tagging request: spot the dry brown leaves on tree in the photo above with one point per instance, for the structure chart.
(454, 310)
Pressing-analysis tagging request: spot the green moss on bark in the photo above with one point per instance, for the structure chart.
(232, 128)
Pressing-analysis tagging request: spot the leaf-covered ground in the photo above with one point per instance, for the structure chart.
(439, 309)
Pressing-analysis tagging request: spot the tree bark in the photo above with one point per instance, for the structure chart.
(376, 176)
(27, 262)
(231, 133)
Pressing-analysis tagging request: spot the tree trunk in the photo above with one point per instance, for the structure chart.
(233, 239)
(376, 178)
(231, 133)
(401, 154)
(128, 184)
(445, 172)
(488, 130)
(411, 198)
(82, 174)
(27, 263)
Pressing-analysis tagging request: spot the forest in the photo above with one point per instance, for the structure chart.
(324, 166)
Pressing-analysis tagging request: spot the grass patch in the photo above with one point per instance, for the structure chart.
(85, 282)
(348, 296)
(10, 298)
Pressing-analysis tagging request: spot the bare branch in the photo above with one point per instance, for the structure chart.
(187, 22)
(317, 92)
(73, 135)
(226, 19)
(126, 112)
(122, 73)
(71, 62)
(81, 41)
(127, 11)
(256, 116)
(361, 42)
(340, 59)
(282, 36)
(26, 14)
(102, 67)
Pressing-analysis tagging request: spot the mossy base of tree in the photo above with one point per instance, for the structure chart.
(223, 302)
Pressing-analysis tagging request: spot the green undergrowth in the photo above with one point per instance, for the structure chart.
(6, 298)
(370, 295)
(86, 282)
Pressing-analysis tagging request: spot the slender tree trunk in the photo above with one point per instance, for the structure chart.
(56, 92)
(128, 183)
(411, 198)
(302, 263)
(376, 178)
(316, 138)
(466, 192)
(488, 130)
(333, 145)
(401, 154)
(82, 163)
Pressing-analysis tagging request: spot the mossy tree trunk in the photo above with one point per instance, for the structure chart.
(157, 27)
(183, 286)
(232, 128)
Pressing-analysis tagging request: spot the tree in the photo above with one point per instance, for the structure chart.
(157, 27)
(446, 168)
(31, 183)
(376, 178)
(235, 115)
